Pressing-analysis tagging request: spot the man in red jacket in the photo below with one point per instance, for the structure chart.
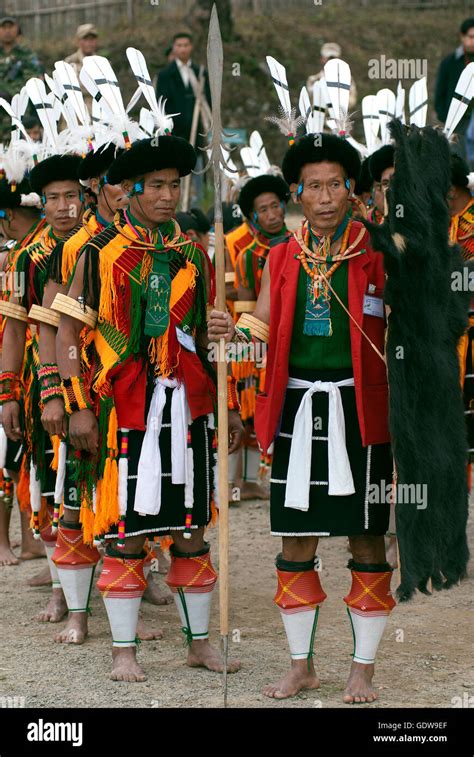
(325, 409)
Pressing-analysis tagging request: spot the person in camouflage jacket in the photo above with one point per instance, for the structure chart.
(17, 62)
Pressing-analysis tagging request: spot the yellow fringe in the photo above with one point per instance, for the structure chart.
(112, 432)
(23, 487)
(70, 254)
(107, 290)
(108, 358)
(55, 441)
(147, 265)
(86, 338)
(107, 505)
(87, 519)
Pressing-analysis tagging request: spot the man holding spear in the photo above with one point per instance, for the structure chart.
(147, 411)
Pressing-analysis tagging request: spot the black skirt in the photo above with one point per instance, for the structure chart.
(350, 515)
(172, 512)
(14, 456)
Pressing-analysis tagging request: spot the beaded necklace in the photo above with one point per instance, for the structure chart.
(321, 258)
(320, 265)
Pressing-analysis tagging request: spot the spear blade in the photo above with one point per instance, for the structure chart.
(215, 66)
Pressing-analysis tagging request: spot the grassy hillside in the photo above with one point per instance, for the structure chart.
(295, 40)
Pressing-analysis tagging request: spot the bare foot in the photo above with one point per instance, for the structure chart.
(33, 555)
(359, 686)
(391, 552)
(31, 548)
(155, 594)
(43, 578)
(75, 630)
(7, 557)
(145, 633)
(125, 666)
(202, 654)
(297, 679)
(252, 490)
(55, 610)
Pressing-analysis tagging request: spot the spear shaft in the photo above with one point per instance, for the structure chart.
(215, 61)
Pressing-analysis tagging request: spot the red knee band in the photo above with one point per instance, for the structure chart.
(71, 552)
(122, 577)
(46, 526)
(298, 590)
(193, 574)
(370, 593)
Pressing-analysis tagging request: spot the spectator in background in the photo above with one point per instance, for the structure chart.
(33, 127)
(168, 58)
(196, 225)
(178, 83)
(87, 39)
(169, 54)
(17, 63)
(449, 71)
(331, 50)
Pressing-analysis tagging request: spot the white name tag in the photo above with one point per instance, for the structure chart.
(185, 340)
(373, 306)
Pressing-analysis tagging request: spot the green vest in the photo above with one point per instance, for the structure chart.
(322, 352)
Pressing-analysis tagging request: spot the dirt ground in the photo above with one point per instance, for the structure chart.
(425, 658)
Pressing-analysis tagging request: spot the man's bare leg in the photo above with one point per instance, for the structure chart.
(253, 490)
(7, 556)
(144, 631)
(368, 550)
(124, 658)
(163, 561)
(392, 552)
(201, 653)
(43, 578)
(76, 629)
(297, 549)
(56, 608)
(31, 549)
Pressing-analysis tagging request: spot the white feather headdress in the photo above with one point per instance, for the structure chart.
(288, 122)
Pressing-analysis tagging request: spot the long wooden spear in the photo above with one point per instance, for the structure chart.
(215, 64)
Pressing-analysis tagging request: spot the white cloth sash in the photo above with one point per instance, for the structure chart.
(298, 477)
(148, 491)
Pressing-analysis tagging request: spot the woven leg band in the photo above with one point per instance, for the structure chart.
(299, 587)
(192, 578)
(369, 604)
(299, 595)
(122, 584)
(370, 591)
(71, 552)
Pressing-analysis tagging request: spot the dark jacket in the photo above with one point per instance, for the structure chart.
(449, 71)
(180, 99)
